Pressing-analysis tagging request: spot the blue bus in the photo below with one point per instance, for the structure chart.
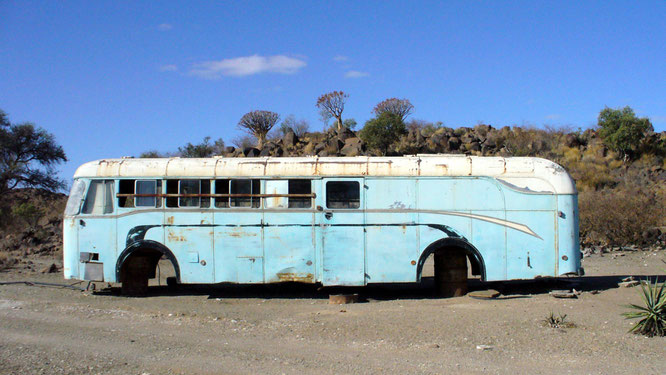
(347, 221)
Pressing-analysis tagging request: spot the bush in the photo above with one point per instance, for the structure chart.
(27, 213)
(619, 217)
(622, 131)
(380, 132)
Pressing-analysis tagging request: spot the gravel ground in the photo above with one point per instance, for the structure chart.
(291, 328)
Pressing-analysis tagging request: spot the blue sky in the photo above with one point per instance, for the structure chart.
(115, 78)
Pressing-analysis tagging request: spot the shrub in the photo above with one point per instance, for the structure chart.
(653, 315)
(622, 131)
(380, 132)
(618, 217)
(27, 213)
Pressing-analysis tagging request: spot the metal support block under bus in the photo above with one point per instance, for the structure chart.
(450, 274)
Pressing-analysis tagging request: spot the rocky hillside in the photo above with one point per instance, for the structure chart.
(622, 203)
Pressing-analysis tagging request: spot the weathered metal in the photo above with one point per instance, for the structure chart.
(514, 218)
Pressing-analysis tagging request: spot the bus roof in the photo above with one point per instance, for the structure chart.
(526, 173)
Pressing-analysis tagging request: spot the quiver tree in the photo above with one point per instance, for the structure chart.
(28, 157)
(399, 107)
(333, 103)
(258, 124)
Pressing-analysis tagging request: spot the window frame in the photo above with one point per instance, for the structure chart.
(360, 195)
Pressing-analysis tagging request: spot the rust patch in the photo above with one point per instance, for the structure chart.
(170, 220)
(174, 237)
(295, 277)
(239, 232)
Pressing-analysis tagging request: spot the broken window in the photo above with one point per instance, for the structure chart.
(126, 187)
(300, 187)
(222, 187)
(246, 188)
(205, 189)
(343, 194)
(172, 188)
(99, 199)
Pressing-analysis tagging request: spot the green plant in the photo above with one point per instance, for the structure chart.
(622, 131)
(558, 321)
(380, 132)
(27, 213)
(653, 315)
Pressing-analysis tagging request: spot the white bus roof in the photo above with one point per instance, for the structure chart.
(527, 173)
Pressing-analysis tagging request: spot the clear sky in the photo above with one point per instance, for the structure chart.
(116, 78)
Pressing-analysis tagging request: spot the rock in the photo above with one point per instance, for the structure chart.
(629, 284)
(289, 139)
(484, 294)
(341, 299)
(352, 147)
(229, 149)
(50, 269)
(454, 143)
(251, 152)
(345, 133)
(563, 294)
(485, 347)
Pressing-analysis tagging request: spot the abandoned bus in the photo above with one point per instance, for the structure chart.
(336, 221)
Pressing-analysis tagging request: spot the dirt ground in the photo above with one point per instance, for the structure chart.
(291, 328)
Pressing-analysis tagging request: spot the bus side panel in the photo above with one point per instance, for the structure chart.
(391, 235)
(289, 246)
(137, 225)
(568, 237)
(189, 235)
(490, 239)
(534, 254)
(239, 249)
(70, 252)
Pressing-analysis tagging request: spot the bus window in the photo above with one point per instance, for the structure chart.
(99, 199)
(245, 187)
(343, 194)
(300, 187)
(189, 187)
(172, 188)
(222, 187)
(145, 187)
(126, 187)
(205, 189)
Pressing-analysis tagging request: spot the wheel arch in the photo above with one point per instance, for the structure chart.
(476, 260)
(142, 245)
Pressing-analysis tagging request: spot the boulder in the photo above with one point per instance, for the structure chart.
(289, 139)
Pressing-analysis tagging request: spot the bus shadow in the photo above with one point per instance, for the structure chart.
(385, 292)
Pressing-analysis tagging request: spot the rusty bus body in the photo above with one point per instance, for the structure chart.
(334, 221)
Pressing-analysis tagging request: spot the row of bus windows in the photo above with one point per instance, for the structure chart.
(187, 193)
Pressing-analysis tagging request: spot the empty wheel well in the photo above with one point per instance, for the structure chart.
(445, 245)
(145, 255)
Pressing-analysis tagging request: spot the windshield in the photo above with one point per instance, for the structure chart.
(75, 197)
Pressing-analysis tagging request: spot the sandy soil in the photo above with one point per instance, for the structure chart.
(291, 329)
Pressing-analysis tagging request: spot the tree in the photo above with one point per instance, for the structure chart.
(300, 127)
(399, 107)
(258, 124)
(333, 103)
(380, 132)
(28, 157)
(349, 123)
(203, 150)
(622, 131)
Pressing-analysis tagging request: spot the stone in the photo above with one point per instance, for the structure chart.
(563, 294)
(352, 147)
(484, 294)
(289, 138)
(629, 284)
(345, 133)
(50, 269)
(342, 299)
(229, 149)
(454, 143)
